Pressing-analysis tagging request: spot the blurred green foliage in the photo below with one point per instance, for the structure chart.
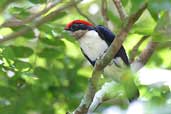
(44, 72)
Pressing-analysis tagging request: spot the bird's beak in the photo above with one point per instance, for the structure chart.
(67, 29)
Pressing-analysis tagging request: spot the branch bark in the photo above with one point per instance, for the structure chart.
(135, 48)
(103, 11)
(144, 56)
(116, 44)
(37, 23)
(120, 9)
(16, 22)
(106, 94)
(84, 15)
(102, 63)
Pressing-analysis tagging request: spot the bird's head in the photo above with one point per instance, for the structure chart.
(78, 27)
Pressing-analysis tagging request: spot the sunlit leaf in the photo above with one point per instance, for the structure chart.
(8, 53)
(20, 65)
(145, 25)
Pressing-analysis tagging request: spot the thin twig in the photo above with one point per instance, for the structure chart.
(102, 63)
(37, 23)
(104, 11)
(17, 22)
(144, 56)
(135, 48)
(84, 15)
(120, 9)
(116, 44)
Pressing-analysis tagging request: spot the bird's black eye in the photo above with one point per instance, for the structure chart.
(74, 27)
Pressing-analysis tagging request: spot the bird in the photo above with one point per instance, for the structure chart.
(94, 42)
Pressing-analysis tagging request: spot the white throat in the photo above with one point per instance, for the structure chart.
(92, 45)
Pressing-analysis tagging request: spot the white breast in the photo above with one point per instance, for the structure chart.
(92, 45)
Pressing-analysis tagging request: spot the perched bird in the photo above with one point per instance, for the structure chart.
(94, 42)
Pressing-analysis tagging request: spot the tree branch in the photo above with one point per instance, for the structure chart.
(82, 14)
(135, 48)
(116, 44)
(106, 94)
(120, 9)
(144, 56)
(103, 11)
(37, 23)
(101, 64)
(17, 22)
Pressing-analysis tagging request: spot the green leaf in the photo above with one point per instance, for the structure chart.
(11, 52)
(20, 65)
(29, 35)
(115, 19)
(39, 71)
(51, 30)
(44, 76)
(156, 6)
(22, 51)
(124, 2)
(8, 53)
(46, 28)
(59, 16)
(38, 1)
(127, 80)
(19, 12)
(162, 31)
(3, 77)
(49, 53)
(145, 25)
(7, 92)
(52, 42)
(136, 5)
(15, 10)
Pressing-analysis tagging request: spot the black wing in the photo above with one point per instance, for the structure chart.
(108, 36)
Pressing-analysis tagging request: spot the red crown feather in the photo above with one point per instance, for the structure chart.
(77, 22)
